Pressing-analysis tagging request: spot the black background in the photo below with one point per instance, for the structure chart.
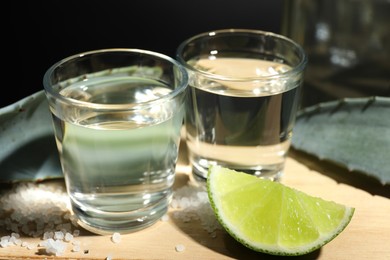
(42, 32)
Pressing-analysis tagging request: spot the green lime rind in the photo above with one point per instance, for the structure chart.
(272, 218)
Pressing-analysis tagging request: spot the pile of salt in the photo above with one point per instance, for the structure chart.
(37, 210)
(191, 203)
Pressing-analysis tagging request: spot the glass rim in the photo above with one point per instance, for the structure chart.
(122, 106)
(299, 68)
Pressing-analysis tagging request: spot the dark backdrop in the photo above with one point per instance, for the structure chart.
(43, 32)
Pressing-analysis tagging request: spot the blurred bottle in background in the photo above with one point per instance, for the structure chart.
(347, 43)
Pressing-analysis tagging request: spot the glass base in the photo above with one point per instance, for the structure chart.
(104, 223)
(271, 172)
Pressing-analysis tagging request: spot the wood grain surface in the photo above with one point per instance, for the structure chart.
(366, 237)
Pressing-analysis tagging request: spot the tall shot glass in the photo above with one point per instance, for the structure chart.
(245, 89)
(117, 116)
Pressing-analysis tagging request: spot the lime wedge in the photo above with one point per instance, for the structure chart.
(270, 217)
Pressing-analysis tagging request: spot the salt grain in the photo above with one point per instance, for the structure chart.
(48, 234)
(68, 237)
(58, 235)
(76, 242)
(116, 237)
(76, 233)
(18, 242)
(15, 235)
(180, 248)
(76, 248)
(165, 217)
(4, 241)
(54, 247)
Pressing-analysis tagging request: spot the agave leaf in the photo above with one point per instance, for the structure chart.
(27, 146)
(352, 132)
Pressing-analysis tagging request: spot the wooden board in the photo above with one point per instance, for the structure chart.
(366, 237)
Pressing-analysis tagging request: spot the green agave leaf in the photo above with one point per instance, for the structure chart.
(27, 146)
(352, 132)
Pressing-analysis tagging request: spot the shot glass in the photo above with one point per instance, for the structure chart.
(245, 89)
(117, 116)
